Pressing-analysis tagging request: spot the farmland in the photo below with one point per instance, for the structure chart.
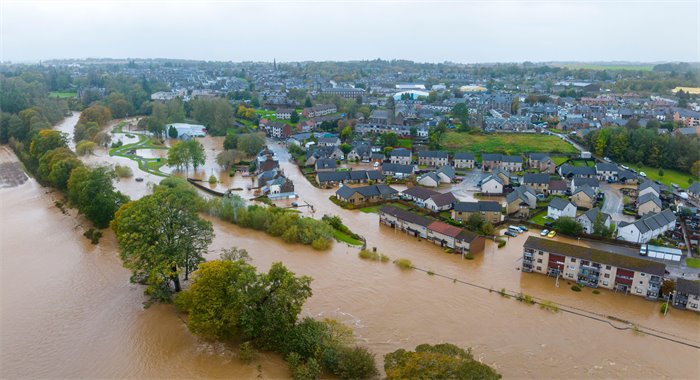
(506, 143)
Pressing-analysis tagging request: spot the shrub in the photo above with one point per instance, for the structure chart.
(355, 363)
(596, 291)
(430, 273)
(664, 308)
(123, 171)
(403, 263)
(85, 147)
(384, 258)
(503, 293)
(308, 370)
(576, 288)
(321, 244)
(522, 297)
(212, 179)
(369, 255)
(501, 243)
(93, 235)
(549, 305)
(246, 352)
(469, 256)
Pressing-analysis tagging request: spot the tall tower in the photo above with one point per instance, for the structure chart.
(274, 64)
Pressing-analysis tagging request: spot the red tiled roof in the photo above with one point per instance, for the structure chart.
(445, 229)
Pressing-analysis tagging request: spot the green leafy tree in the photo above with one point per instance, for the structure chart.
(45, 141)
(85, 147)
(172, 132)
(251, 143)
(294, 118)
(92, 191)
(345, 148)
(567, 225)
(390, 139)
(346, 133)
(440, 361)
(231, 141)
(308, 103)
(161, 237)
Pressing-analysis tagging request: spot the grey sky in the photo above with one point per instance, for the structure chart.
(459, 31)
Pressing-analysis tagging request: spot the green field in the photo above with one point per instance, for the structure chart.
(343, 237)
(559, 159)
(575, 66)
(693, 263)
(506, 143)
(58, 94)
(670, 176)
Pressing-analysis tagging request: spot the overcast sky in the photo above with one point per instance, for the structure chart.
(425, 31)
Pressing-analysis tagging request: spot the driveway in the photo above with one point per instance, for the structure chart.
(613, 203)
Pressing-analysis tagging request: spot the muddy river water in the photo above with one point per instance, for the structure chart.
(68, 309)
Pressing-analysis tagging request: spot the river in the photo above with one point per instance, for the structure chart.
(68, 309)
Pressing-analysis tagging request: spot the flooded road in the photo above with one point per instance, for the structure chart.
(68, 309)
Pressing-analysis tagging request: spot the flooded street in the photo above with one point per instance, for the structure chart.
(68, 309)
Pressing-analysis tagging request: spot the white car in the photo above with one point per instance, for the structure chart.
(544, 232)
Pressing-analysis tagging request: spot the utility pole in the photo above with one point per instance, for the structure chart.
(668, 298)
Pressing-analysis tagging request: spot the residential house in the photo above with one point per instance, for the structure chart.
(433, 158)
(328, 141)
(330, 179)
(377, 157)
(503, 175)
(332, 152)
(492, 184)
(649, 187)
(541, 162)
(557, 187)
(647, 228)
(583, 197)
(464, 160)
(577, 182)
(626, 273)
(446, 173)
(491, 211)
(687, 294)
(491, 161)
(380, 117)
(570, 171)
(284, 113)
(279, 130)
(325, 165)
(366, 194)
(694, 191)
(647, 203)
(559, 207)
(361, 151)
(319, 110)
(430, 179)
(627, 177)
(399, 171)
(440, 202)
(520, 201)
(538, 182)
(400, 156)
(587, 219)
(606, 171)
(402, 220)
(418, 195)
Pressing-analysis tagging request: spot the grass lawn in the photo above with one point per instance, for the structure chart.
(558, 160)
(341, 236)
(540, 219)
(406, 143)
(371, 209)
(582, 163)
(506, 143)
(693, 263)
(670, 176)
(58, 94)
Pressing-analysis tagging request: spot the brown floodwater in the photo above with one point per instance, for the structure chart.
(68, 309)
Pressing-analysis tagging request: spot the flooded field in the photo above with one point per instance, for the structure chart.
(68, 309)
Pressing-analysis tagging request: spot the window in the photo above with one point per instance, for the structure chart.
(641, 282)
(606, 275)
(570, 275)
(540, 253)
(639, 291)
(539, 260)
(607, 267)
(573, 260)
(539, 268)
(642, 274)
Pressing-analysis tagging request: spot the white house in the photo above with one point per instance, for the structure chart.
(429, 179)
(440, 202)
(492, 184)
(559, 207)
(587, 219)
(649, 187)
(190, 130)
(648, 227)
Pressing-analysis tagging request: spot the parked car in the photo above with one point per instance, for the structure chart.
(509, 233)
(514, 229)
(523, 228)
(544, 232)
(552, 234)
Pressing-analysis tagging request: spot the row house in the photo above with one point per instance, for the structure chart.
(279, 130)
(649, 187)
(541, 162)
(583, 197)
(627, 273)
(439, 233)
(559, 207)
(400, 130)
(319, 152)
(606, 171)
(345, 92)
(570, 171)
(366, 194)
(537, 181)
(400, 156)
(520, 201)
(433, 158)
(577, 182)
(686, 117)
(361, 151)
(331, 179)
(648, 203)
(319, 110)
(418, 195)
(647, 228)
(489, 210)
(492, 161)
(284, 113)
(445, 174)
(398, 171)
(687, 294)
(464, 160)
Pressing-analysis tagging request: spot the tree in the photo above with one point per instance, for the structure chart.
(45, 141)
(294, 118)
(440, 361)
(231, 141)
(251, 143)
(184, 153)
(345, 148)
(92, 191)
(346, 133)
(515, 106)
(308, 103)
(161, 236)
(172, 132)
(96, 113)
(667, 287)
(695, 169)
(475, 221)
(234, 254)
(599, 228)
(390, 139)
(567, 225)
(198, 157)
(229, 157)
(85, 147)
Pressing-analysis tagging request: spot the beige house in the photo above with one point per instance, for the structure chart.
(583, 197)
(491, 211)
(648, 203)
(687, 295)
